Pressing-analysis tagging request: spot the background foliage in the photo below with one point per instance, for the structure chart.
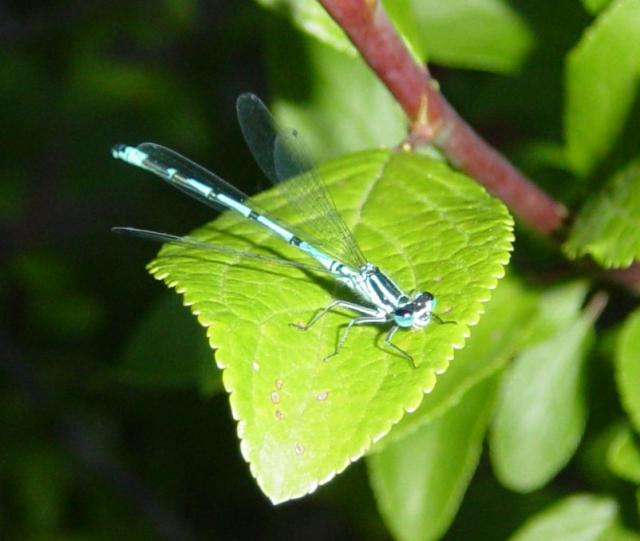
(112, 428)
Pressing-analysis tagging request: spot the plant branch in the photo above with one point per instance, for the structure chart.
(434, 120)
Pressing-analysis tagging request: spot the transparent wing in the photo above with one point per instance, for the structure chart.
(280, 154)
(162, 159)
(195, 243)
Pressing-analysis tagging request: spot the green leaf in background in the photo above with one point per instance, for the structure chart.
(54, 303)
(628, 368)
(602, 80)
(181, 13)
(168, 349)
(582, 517)
(311, 17)
(403, 15)
(558, 307)
(607, 226)
(594, 6)
(102, 83)
(14, 201)
(541, 412)
(477, 34)
(493, 342)
(474, 34)
(623, 456)
(301, 419)
(420, 480)
(42, 502)
(335, 117)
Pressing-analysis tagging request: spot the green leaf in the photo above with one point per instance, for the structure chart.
(301, 419)
(628, 367)
(558, 307)
(168, 349)
(335, 118)
(41, 503)
(601, 80)
(581, 517)
(607, 226)
(403, 15)
(53, 303)
(623, 456)
(619, 533)
(311, 17)
(419, 481)
(594, 6)
(491, 345)
(541, 411)
(477, 34)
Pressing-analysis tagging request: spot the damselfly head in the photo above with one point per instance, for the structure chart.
(417, 312)
(423, 305)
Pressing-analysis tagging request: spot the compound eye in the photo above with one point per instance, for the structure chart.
(426, 300)
(403, 318)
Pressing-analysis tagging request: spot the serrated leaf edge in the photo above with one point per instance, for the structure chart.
(505, 244)
(410, 407)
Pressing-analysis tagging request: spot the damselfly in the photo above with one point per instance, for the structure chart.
(323, 235)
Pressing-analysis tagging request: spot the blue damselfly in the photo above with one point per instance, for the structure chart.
(323, 236)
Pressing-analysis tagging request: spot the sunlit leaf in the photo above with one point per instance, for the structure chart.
(500, 331)
(302, 419)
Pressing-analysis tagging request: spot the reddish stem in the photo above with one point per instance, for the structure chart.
(629, 277)
(434, 120)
